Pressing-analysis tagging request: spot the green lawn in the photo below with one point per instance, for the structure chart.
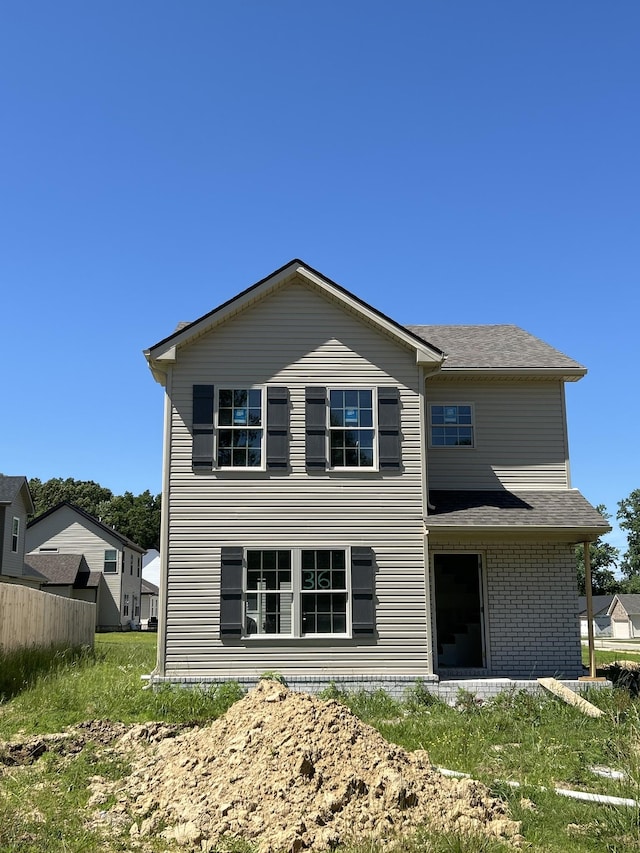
(538, 742)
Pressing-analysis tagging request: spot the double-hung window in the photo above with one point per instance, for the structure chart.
(240, 428)
(451, 425)
(125, 606)
(15, 534)
(110, 561)
(296, 592)
(351, 428)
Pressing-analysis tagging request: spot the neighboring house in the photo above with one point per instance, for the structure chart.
(348, 499)
(67, 529)
(624, 612)
(67, 575)
(149, 606)
(16, 505)
(601, 618)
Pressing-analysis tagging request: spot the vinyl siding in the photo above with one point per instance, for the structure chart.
(71, 534)
(520, 436)
(13, 561)
(294, 338)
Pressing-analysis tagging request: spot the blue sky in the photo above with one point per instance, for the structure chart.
(448, 162)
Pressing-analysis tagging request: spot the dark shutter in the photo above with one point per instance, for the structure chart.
(389, 445)
(230, 592)
(363, 617)
(316, 427)
(277, 427)
(202, 425)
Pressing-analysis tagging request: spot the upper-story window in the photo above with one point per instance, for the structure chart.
(130, 564)
(15, 534)
(110, 561)
(240, 428)
(351, 428)
(451, 425)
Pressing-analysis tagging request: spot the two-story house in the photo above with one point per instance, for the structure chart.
(16, 504)
(112, 563)
(349, 500)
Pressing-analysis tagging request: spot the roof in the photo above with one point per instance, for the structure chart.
(501, 347)
(563, 511)
(600, 604)
(630, 601)
(148, 588)
(164, 350)
(63, 570)
(110, 530)
(11, 486)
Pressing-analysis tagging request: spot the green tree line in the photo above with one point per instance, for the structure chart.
(606, 558)
(135, 516)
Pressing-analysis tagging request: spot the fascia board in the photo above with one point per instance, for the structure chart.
(510, 532)
(567, 374)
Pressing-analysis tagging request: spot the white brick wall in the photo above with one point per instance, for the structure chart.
(532, 606)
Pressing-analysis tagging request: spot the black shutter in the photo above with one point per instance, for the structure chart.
(363, 616)
(202, 425)
(316, 427)
(230, 592)
(389, 445)
(277, 427)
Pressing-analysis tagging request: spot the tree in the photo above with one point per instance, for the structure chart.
(85, 494)
(603, 558)
(628, 516)
(135, 516)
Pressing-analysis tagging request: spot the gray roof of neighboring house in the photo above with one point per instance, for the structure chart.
(630, 601)
(566, 509)
(63, 570)
(111, 530)
(9, 488)
(149, 588)
(494, 347)
(600, 604)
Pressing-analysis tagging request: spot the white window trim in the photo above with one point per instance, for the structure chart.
(115, 572)
(229, 386)
(454, 447)
(296, 592)
(15, 535)
(374, 413)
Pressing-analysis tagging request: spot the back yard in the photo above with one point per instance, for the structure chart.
(47, 780)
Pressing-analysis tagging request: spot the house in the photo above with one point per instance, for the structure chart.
(350, 500)
(67, 575)
(601, 618)
(16, 505)
(67, 530)
(149, 604)
(624, 612)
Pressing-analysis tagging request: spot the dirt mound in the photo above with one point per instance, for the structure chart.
(288, 771)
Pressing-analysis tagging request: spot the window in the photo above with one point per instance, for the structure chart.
(48, 550)
(297, 592)
(15, 534)
(130, 564)
(240, 431)
(136, 609)
(138, 566)
(125, 606)
(351, 429)
(110, 561)
(451, 425)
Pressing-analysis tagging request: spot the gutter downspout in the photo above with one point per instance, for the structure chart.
(164, 531)
(589, 593)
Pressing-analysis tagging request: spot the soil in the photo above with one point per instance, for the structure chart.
(289, 772)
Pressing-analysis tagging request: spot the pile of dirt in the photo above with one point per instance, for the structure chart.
(288, 771)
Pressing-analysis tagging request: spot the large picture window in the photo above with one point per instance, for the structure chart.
(351, 428)
(240, 428)
(451, 425)
(296, 592)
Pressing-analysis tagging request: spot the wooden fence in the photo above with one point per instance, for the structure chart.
(29, 617)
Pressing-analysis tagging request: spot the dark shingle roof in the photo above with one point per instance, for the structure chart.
(495, 347)
(149, 588)
(9, 488)
(631, 602)
(566, 509)
(600, 604)
(63, 569)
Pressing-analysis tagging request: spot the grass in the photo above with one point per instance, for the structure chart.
(536, 741)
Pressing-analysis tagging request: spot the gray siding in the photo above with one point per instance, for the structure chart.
(12, 562)
(295, 338)
(520, 432)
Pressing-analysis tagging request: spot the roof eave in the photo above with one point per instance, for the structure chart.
(564, 373)
(557, 533)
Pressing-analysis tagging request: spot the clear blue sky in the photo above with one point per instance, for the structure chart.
(448, 162)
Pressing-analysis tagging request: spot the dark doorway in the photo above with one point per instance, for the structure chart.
(459, 626)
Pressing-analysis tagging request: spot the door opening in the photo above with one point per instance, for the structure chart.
(459, 610)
